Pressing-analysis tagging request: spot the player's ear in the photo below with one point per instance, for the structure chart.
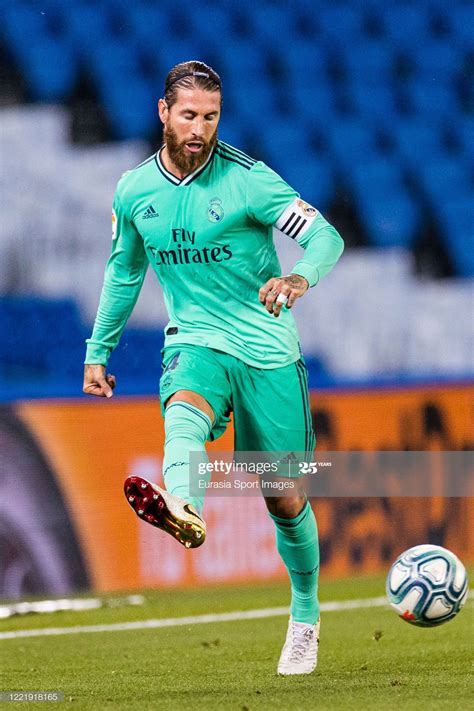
(163, 110)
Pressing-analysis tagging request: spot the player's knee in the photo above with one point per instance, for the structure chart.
(185, 421)
(285, 506)
(194, 399)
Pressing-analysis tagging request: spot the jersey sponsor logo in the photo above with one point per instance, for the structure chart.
(180, 234)
(185, 252)
(215, 211)
(185, 255)
(149, 213)
(114, 225)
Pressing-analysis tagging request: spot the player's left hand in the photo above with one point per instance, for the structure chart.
(292, 286)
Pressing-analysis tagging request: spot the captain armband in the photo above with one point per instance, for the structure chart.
(296, 219)
(114, 225)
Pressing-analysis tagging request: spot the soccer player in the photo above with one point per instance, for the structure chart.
(201, 212)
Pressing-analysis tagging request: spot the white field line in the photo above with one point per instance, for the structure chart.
(70, 604)
(191, 620)
(336, 606)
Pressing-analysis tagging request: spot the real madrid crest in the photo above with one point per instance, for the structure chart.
(307, 209)
(215, 211)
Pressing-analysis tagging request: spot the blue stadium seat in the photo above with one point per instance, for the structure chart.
(464, 128)
(388, 211)
(231, 131)
(50, 67)
(168, 52)
(287, 149)
(376, 178)
(111, 61)
(461, 19)
(239, 61)
(87, 26)
(213, 24)
(445, 179)
(139, 352)
(432, 101)
(390, 222)
(373, 102)
(24, 321)
(316, 101)
(253, 103)
(369, 63)
(131, 107)
(417, 141)
(350, 142)
(269, 21)
(341, 22)
(313, 178)
(283, 141)
(405, 24)
(149, 23)
(436, 62)
(23, 25)
(128, 97)
(306, 65)
(457, 218)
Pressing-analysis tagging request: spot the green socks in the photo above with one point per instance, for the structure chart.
(297, 543)
(186, 429)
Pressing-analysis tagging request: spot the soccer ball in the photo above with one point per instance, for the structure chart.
(427, 585)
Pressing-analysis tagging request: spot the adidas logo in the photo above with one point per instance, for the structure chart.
(150, 212)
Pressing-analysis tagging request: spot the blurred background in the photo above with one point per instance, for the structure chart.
(366, 108)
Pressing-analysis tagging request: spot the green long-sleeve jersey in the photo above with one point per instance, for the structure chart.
(209, 240)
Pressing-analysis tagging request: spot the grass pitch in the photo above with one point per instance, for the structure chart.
(369, 659)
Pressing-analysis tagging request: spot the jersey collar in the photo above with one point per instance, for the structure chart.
(189, 178)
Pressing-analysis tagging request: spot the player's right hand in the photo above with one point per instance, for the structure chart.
(97, 381)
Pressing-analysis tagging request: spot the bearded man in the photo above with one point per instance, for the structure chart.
(202, 213)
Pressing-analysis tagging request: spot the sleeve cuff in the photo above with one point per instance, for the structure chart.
(96, 353)
(308, 271)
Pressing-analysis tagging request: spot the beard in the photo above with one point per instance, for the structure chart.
(187, 162)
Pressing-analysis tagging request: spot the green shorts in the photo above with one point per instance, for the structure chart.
(270, 406)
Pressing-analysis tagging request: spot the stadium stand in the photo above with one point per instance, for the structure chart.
(368, 109)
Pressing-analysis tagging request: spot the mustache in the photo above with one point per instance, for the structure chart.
(195, 140)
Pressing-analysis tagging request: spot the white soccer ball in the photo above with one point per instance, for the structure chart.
(427, 585)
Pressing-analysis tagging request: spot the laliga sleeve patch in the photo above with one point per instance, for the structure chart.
(114, 225)
(296, 219)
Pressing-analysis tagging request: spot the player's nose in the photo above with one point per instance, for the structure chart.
(198, 128)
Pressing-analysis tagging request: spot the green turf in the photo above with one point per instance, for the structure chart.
(231, 665)
(176, 603)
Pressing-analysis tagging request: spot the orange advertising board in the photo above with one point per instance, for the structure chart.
(92, 446)
(398, 419)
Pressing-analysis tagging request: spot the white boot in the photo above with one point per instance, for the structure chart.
(300, 651)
